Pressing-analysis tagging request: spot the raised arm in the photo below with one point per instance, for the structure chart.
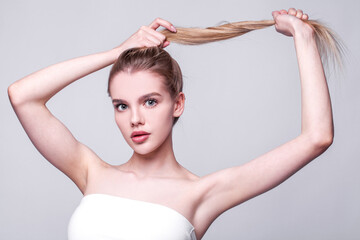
(230, 187)
(29, 95)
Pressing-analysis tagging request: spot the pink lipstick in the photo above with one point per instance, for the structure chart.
(139, 136)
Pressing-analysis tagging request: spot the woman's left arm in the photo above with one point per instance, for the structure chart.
(227, 188)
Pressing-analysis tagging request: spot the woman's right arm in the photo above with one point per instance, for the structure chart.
(53, 140)
(29, 95)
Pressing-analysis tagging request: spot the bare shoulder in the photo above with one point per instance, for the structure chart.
(190, 175)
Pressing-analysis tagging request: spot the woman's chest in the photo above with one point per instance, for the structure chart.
(176, 194)
(103, 216)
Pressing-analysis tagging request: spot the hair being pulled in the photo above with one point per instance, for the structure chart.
(153, 59)
(329, 45)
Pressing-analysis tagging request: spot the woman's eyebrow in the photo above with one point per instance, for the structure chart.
(146, 96)
(118, 101)
(142, 98)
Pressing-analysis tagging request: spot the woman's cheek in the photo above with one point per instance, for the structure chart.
(164, 118)
(121, 123)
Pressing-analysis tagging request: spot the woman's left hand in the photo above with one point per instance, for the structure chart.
(147, 36)
(288, 22)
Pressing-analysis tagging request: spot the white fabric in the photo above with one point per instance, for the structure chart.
(107, 217)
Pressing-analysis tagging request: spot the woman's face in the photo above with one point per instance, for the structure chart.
(144, 109)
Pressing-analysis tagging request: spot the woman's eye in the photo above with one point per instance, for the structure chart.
(150, 102)
(121, 107)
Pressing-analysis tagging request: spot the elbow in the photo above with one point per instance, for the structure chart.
(326, 142)
(21, 94)
(14, 95)
(321, 140)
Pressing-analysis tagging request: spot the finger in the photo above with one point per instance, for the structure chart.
(151, 43)
(156, 34)
(147, 36)
(150, 32)
(305, 17)
(153, 40)
(275, 14)
(292, 11)
(299, 13)
(161, 22)
(165, 44)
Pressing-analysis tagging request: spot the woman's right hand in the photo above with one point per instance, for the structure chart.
(288, 22)
(147, 36)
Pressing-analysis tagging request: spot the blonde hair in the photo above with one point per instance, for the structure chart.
(329, 45)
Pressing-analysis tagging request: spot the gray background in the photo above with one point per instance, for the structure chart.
(243, 99)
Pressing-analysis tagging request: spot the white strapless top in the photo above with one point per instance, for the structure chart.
(108, 217)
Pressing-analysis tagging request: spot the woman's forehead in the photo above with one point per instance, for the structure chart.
(134, 84)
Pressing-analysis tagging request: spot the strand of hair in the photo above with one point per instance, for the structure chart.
(330, 46)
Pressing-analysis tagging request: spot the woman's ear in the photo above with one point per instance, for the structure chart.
(179, 105)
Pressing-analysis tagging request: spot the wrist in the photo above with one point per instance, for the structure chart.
(303, 30)
(114, 53)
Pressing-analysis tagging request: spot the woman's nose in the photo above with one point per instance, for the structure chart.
(136, 118)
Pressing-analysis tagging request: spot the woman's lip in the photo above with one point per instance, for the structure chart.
(139, 136)
(139, 133)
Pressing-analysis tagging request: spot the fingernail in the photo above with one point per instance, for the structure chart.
(173, 28)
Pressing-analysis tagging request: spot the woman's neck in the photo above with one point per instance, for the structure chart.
(159, 163)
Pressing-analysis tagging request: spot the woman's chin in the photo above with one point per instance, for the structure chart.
(149, 148)
(143, 150)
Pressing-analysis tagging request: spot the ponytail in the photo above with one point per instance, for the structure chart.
(329, 45)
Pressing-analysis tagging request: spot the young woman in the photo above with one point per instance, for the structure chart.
(152, 196)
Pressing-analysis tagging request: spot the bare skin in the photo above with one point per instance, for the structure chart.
(152, 174)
